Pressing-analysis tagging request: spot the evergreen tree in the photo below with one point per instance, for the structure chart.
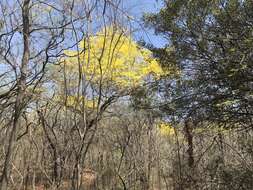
(212, 43)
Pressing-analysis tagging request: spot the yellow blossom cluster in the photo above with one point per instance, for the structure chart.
(114, 59)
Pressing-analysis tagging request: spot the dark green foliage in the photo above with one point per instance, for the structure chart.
(212, 42)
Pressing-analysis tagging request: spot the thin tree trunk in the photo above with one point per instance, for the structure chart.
(19, 104)
(189, 137)
(179, 160)
(188, 128)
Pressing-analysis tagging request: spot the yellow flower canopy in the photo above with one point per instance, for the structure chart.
(113, 58)
(166, 129)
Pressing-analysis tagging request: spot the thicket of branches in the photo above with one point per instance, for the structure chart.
(85, 106)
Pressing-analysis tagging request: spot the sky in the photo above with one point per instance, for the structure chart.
(137, 8)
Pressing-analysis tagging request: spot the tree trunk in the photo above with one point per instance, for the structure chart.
(19, 104)
(188, 128)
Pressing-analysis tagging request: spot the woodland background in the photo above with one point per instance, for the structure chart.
(88, 100)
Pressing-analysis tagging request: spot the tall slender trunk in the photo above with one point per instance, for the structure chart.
(149, 156)
(179, 160)
(188, 129)
(189, 137)
(19, 104)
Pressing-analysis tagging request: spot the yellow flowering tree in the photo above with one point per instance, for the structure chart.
(166, 129)
(110, 61)
(115, 58)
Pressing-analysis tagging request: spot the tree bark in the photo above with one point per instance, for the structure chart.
(19, 103)
(189, 137)
(188, 128)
